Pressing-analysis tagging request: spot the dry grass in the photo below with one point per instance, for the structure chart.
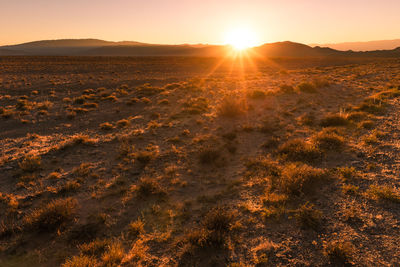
(51, 216)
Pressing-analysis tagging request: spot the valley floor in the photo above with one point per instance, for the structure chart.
(199, 162)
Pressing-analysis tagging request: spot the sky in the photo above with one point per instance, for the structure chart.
(206, 21)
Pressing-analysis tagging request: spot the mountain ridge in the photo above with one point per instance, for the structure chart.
(97, 47)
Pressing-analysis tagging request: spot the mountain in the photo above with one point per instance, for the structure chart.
(62, 46)
(95, 47)
(363, 46)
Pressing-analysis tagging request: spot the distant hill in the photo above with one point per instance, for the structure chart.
(95, 47)
(363, 46)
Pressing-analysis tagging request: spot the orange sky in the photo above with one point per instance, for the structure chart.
(188, 21)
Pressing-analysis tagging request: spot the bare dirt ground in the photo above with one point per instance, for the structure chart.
(199, 162)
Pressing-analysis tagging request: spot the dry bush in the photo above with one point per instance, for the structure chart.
(51, 216)
(339, 252)
(320, 82)
(148, 90)
(299, 150)
(329, 140)
(114, 254)
(214, 231)
(306, 87)
(287, 89)
(94, 248)
(136, 228)
(333, 120)
(91, 105)
(308, 216)
(163, 102)
(297, 179)
(348, 174)
(196, 105)
(81, 261)
(30, 163)
(123, 123)
(46, 105)
(307, 119)
(106, 126)
(150, 187)
(262, 167)
(368, 124)
(372, 106)
(232, 106)
(383, 192)
(357, 116)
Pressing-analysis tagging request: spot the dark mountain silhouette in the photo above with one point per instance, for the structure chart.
(364, 46)
(94, 47)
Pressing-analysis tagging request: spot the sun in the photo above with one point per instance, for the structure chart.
(241, 38)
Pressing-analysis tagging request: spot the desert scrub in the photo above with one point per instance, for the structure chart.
(114, 254)
(143, 157)
(148, 186)
(136, 228)
(372, 106)
(262, 166)
(106, 126)
(333, 120)
(339, 252)
(299, 150)
(209, 155)
(297, 179)
(307, 119)
(123, 123)
(81, 261)
(30, 163)
(196, 105)
(329, 140)
(308, 216)
(232, 106)
(347, 174)
(306, 87)
(51, 216)
(383, 192)
(148, 90)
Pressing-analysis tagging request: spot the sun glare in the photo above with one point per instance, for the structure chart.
(241, 38)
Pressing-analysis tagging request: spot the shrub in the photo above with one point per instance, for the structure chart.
(95, 247)
(30, 163)
(383, 192)
(114, 254)
(308, 217)
(332, 120)
(339, 252)
(284, 88)
(196, 105)
(306, 87)
(298, 179)
(122, 123)
(81, 261)
(106, 126)
(209, 155)
(51, 216)
(136, 228)
(328, 140)
(299, 150)
(150, 187)
(348, 173)
(232, 106)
